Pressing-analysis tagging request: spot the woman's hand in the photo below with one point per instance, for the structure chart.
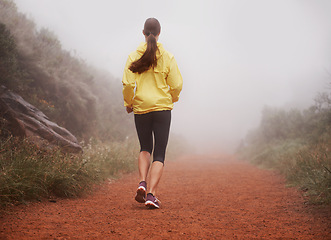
(129, 109)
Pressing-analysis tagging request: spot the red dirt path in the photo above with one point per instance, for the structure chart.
(202, 198)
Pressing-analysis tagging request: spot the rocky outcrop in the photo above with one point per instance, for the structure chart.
(27, 121)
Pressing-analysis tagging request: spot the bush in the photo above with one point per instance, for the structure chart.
(272, 154)
(111, 159)
(297, 144)
(79, 97)
(9, 70)
(305, 166)
(29, 173)
(310, 169)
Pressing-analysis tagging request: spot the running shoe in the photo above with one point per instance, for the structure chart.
(141, 192)
(152, 202)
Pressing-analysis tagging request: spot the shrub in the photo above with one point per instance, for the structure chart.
(9, 70)
(111, 159)
(29, 173)
(76, 96)
(310, 169)
(297, 144)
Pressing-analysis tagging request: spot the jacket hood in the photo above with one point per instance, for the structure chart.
(143, 46)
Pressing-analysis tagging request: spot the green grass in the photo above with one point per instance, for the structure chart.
(28, 173)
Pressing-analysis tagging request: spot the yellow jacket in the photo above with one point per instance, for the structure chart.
(156, 89)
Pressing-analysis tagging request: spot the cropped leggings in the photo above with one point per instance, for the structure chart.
(155, 124)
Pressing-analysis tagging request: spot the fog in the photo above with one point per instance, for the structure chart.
(235, 56)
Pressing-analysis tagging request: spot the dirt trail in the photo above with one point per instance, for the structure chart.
(217, 198)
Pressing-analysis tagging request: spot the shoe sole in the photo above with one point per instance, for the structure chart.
(151, 205)
(140, 195)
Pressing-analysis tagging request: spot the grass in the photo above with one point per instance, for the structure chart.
(111, 159)
(269, 156)
(305, 166)
(310, 170)
(28, 173)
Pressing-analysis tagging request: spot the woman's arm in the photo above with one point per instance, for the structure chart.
(174, 80)
(128, 85)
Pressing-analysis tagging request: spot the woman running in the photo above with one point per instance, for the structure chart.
(151, 84)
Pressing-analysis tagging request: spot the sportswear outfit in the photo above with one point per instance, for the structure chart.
(151, 94)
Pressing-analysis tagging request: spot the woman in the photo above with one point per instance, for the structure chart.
(151, 84)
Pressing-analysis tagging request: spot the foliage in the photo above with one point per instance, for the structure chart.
(71, 93)
(8, 57)
(310, 168)
(29, 173)
(110, 159)
(297, 144)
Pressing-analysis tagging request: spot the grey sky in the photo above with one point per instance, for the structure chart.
(235, 56)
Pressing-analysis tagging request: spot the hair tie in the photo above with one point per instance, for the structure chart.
(150, 34)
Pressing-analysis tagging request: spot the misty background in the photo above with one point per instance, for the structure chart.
(235, 56)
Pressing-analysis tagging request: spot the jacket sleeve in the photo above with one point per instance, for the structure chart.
(174, 80)
(128, 84)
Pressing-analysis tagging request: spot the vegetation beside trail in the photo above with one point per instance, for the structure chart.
(86, 101)
(29, 173)
(297, 144)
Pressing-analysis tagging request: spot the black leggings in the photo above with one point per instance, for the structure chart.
(157, 124)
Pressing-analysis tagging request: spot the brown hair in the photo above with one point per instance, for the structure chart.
(152, 28)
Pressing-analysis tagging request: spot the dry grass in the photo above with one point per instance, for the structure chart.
(305, 166)
(310, 169)
(29, 173)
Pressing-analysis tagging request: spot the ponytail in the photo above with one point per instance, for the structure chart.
(148, 59)
(152, 28)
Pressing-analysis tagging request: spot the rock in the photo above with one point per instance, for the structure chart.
(25, 120)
